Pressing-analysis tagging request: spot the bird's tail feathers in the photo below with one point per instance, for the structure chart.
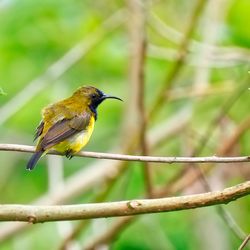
(34, 159)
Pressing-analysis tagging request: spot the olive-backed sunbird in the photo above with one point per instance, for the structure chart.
(67, 125)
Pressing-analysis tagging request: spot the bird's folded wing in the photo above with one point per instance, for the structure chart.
(64, 129)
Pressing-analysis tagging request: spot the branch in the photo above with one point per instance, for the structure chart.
(35, 214)
(139, 158)
(244, 243)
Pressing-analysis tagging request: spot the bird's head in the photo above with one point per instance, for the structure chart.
(92, 96)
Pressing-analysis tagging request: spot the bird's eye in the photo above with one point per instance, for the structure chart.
(93, 96)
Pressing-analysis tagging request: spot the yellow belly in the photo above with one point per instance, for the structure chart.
(76, 142)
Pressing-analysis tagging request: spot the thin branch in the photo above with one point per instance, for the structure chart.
(229, 220)
(244, 243)
(139, 158)
(35, 214)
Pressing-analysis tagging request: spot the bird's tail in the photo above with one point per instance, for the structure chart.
(34, 159)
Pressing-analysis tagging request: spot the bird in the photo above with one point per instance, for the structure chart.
(67, 125)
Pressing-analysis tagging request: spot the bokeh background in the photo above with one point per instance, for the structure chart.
(196, 61)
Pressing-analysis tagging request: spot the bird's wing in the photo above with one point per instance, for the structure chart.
(39, 130)
(64, 129)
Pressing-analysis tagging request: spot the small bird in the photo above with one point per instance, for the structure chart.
(67, 125)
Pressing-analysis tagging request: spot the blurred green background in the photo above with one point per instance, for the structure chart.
(50, 48)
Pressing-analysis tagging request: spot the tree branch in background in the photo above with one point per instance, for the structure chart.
(35, 214)
(137, 33)
(182, 53)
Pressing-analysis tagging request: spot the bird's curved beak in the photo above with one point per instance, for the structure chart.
(110, 97)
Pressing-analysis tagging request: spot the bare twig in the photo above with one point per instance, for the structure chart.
(35, 214)
(139, 158)
(231, 223)
(244, 243)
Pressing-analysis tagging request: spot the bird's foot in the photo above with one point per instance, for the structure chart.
(69, 154)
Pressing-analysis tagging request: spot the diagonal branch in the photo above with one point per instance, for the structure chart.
(35, 214)
(182, 53)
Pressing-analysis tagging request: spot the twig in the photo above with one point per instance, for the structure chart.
(244, 243)
(229, 220)
(35, 214)
(139, 158)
